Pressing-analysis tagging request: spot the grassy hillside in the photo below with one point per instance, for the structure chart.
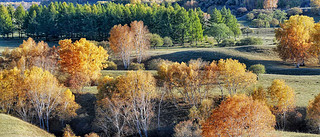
(295, 134)
(14, 127)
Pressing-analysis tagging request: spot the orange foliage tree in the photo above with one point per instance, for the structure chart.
(239, 115)
(295, 39)
(121, 43)
(81, 58)
(141, 39)
(313, 112)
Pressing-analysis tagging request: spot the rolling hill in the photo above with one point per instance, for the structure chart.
(14, 127)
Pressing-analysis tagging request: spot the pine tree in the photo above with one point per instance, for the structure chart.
(6, 25)
(216, 17)
(19, 16)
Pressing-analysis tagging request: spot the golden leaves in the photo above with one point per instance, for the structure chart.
(82, 56)
(282, 96)
(295, 38)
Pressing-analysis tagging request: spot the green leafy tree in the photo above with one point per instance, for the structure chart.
(155, 40)
(19, 16)
(196, 32)
(6, 25)
(219, 32)
(167, 42)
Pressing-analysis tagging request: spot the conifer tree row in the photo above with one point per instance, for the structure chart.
(94, 21)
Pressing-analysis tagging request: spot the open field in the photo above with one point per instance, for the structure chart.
(14, 127)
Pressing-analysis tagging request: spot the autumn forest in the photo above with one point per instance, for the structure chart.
(160, 68)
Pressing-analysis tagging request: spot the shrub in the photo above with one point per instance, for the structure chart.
(250, 41)
(156, 40)
(250, 16)
(258, 69)
(136, 66)
(111, 65)
(294, 11)
(227, 43)
(274, 22)
(154, 64)
(187, 129)
(258, 23)
(167, 42)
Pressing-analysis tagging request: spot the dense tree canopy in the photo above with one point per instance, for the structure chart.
(66, 20)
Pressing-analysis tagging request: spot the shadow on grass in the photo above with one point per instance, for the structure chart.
(272, 67)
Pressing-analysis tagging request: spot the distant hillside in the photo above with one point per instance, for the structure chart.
(14, 127)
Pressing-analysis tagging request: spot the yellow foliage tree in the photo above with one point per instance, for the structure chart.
(31, 53)
(281, 100)
(234, 76)
(11, 85)
(259, 94)
(187, 78)
(67, 108)
(313, 112)
(82, 57)
(239, 115)
(295, 39)
(35, 93)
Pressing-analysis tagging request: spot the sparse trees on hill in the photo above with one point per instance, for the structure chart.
(239, 115)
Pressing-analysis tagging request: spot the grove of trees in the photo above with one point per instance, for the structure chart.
(95, 21)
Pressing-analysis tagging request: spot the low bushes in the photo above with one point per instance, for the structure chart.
(250, 41)
(227, 43)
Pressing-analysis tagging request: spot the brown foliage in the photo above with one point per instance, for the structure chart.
(121, 43)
